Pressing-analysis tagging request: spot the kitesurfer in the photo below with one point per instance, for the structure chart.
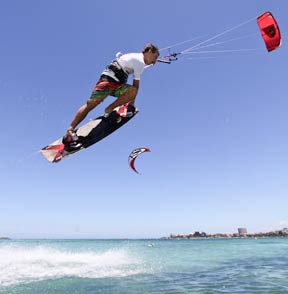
(113, 82)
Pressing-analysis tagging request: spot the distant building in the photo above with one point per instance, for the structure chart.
(242, 232)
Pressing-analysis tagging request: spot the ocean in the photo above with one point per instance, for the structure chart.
(144, 266)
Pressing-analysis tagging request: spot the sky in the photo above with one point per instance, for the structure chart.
(216, 123)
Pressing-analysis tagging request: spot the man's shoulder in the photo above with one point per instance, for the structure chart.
(138, 56)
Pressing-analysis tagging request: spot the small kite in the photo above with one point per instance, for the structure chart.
(134, 154)
(269, 30)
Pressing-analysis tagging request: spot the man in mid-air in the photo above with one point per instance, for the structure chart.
(113, 82)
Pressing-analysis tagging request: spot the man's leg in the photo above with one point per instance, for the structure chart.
(82, 113)
(128, 96)
(70, 140)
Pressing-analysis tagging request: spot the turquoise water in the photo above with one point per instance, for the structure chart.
(134, 266)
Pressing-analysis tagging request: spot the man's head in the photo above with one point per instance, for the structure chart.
(151, 53)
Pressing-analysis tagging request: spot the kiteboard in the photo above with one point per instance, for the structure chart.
(91, 133)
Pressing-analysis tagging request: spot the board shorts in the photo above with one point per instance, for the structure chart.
(106, 87)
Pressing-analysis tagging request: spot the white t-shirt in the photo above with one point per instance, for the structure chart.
(131, 63)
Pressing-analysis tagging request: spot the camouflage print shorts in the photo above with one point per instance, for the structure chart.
(106, 88)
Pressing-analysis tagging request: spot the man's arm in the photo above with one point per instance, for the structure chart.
(136, 84)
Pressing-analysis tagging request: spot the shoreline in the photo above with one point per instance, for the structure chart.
(202, 235)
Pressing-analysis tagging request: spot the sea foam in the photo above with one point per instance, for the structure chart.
(20, 264)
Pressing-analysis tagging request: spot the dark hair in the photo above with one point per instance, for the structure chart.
(150, 46)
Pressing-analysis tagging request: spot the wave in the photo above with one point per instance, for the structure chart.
(20, 264)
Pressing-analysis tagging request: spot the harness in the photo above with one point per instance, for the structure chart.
(118, 71)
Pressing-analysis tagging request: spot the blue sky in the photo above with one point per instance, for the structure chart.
(216, 127)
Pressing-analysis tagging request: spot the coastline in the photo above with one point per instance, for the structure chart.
(202, 235)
